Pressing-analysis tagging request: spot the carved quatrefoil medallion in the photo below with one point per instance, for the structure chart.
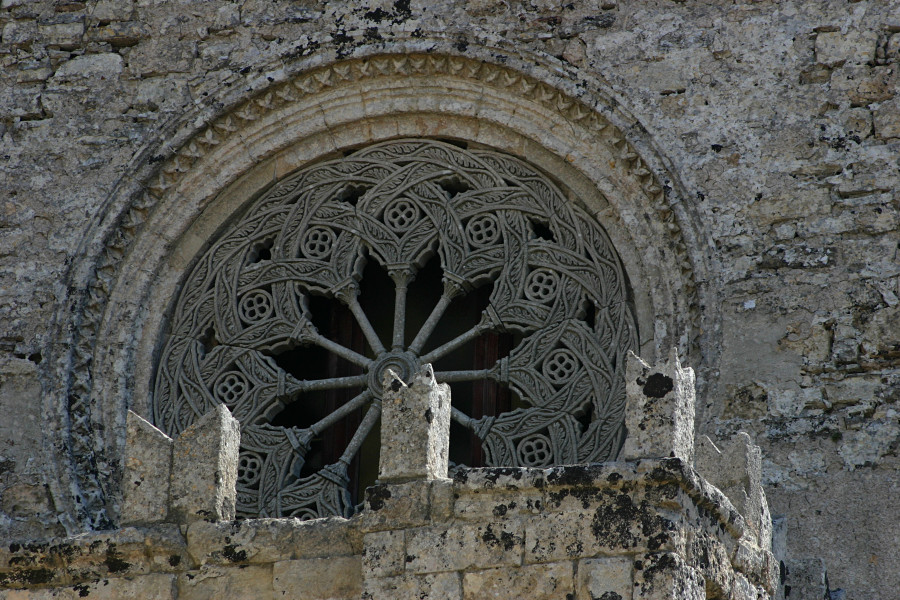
(495, 225)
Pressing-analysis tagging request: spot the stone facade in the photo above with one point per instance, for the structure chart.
(743, 157)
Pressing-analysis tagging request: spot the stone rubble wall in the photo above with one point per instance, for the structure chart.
(782, 120)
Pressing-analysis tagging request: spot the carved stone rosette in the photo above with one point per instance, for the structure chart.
(490, 219)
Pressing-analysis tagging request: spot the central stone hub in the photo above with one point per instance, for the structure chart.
(405, 364)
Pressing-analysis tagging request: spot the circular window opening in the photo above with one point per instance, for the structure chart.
(392, 256)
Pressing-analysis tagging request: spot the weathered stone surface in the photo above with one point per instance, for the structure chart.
(667, 577)
(735, 467)
(887, 119)
(25, 502)
(835, 47)
(321, 578)
(553, 580)
(260, 541)
(390, 506)
(384, 553)
(217, 582)
(204, 468)
(806, 579)
(146, 587)
(659, 414)
(863, 85)
(126, 552)
(435, 549)
(437, 586)
(415, 428)
(603, 577)
(107, 65)
(146, 472)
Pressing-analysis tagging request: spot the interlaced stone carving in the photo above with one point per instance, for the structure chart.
(491, 220)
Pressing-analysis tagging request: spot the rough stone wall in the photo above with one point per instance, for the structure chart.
(781, 120)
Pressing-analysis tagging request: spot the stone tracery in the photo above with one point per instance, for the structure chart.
(491, 220)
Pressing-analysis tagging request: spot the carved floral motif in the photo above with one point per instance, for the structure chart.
(491, 220)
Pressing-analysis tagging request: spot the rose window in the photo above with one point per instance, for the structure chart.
(392, 256)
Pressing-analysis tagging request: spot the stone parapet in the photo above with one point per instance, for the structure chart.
(640, 529)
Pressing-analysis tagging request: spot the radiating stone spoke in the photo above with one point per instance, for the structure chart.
(399, 311)
(365, 325)
(333, 383)
(468, 375)
(302, 248)
(362, 432)
(430, 323)
(342, 351)
(320, 426)
(455, 343)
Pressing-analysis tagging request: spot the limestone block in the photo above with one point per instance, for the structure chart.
(500, 503)
(22, 101)
(335, 578)
(384, 553)
(125, 552)
(834, 47)
(259, 541)
(554, 580)
(434, 549)
(119, 33)
(735, 467)
(107, 65)
(147, 467)
(615, 527)
(437, 586)
(887, 119)
(659, 412)
(217, 583)
(415, 428)
(66, 35)
(147, 587)
(391, 506)
(604, 578)
(19, 33)
(112, 10)
(667, 577)
(204, 468)
(861, 85)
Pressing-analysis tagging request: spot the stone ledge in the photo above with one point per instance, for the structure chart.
(64, 561)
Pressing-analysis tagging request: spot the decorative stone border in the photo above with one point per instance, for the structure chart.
(89, 376)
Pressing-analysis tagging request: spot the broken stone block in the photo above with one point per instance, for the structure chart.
(147, 468)
(204, 468)
(659, 412)
(735, 467)
(415, 428)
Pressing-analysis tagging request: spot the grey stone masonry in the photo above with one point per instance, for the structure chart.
(204, 468)
(415, 428)
(147, 467)
(659, 413)
(735, 467)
